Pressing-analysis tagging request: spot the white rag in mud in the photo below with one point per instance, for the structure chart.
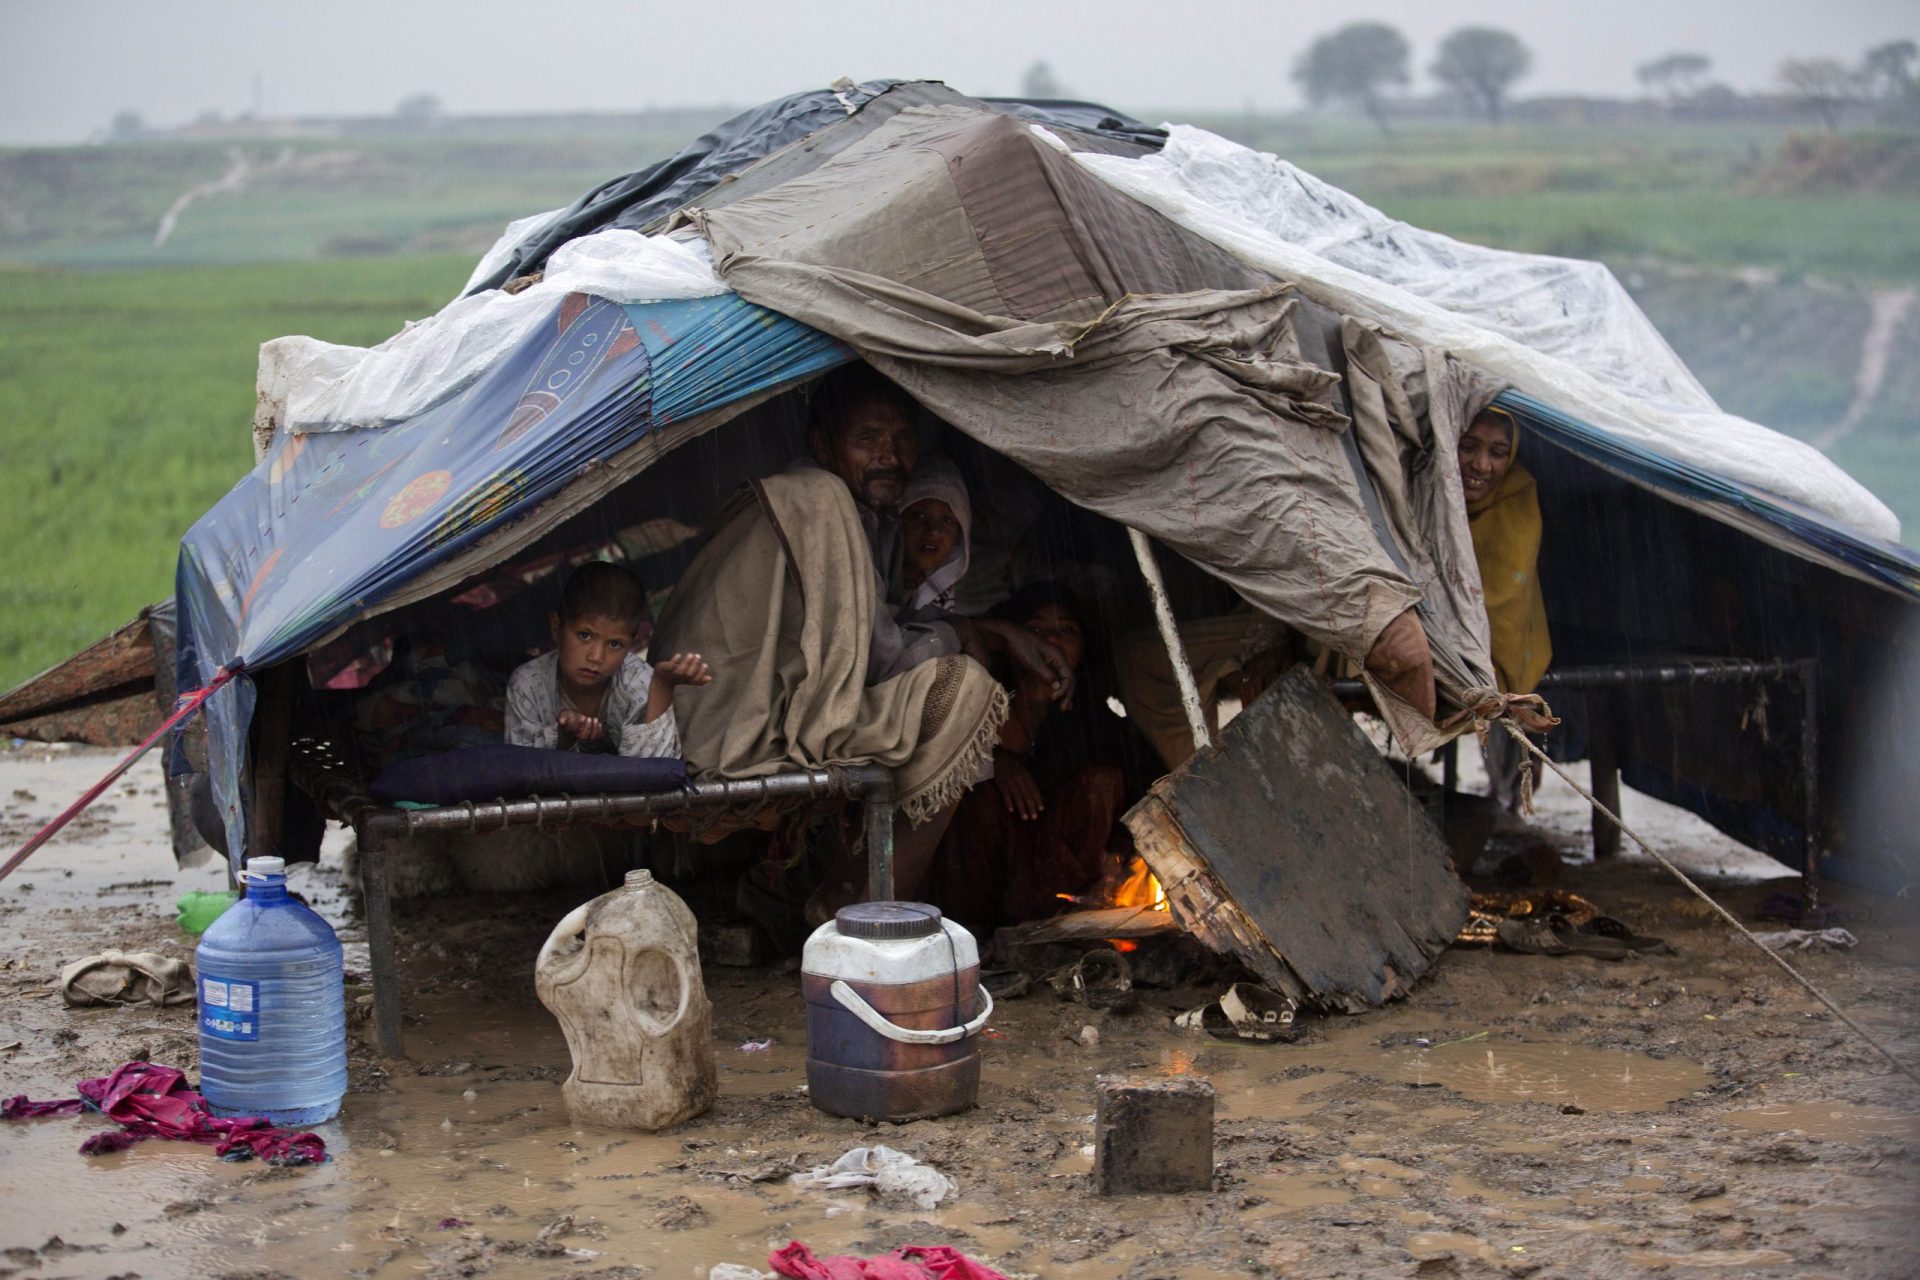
(126, 977)
(1808, 940)
(892, 1174)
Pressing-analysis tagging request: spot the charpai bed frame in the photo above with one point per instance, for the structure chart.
(316, 770)
(1603, 751)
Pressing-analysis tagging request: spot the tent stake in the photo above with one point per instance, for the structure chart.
(1170, 635)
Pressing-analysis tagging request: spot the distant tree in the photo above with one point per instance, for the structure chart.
(1482, 63)
(1823, 85)
(1040, 82)
(1676, 76)
(211, 116)
(127, 126)
(1352, 65)
(418, 108)
(1888, 68)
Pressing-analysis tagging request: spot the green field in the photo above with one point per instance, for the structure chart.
(127, 369)
(125, 404)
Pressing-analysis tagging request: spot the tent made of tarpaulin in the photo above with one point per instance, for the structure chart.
(1286, 426)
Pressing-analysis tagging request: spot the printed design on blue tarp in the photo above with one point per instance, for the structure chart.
(229, 1008)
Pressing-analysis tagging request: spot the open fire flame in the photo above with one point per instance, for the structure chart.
(1136, 886)
(1140, 888)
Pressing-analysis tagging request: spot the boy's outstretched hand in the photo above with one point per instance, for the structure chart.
(682, 668)
(584, 728)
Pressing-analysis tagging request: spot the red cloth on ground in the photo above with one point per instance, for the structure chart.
(913, 1262)
(152, 1101)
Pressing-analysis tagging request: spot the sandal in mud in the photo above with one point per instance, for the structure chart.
(1099, 979)
(1244, 1012)
(1616, 931)
(1601, 937)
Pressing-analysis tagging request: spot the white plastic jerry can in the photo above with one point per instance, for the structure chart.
(622, 975)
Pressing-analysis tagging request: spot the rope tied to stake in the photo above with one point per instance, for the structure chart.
(1517, 713)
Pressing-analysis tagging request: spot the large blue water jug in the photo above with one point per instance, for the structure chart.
(273, 1020)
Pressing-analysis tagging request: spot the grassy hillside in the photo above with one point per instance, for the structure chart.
(101, 206)
(126, 368)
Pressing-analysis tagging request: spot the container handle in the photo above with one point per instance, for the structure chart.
(571, 924)
(877, 1021)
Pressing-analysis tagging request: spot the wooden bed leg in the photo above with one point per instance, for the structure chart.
(378, 901)
(1605, 768)
(272, 740)
(879, 807)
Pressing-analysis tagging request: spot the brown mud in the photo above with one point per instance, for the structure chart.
(1690, 1114)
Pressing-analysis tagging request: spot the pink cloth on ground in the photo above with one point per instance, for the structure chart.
(151, 1101)
(912, 1262)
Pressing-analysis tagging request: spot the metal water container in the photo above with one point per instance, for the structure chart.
(894, 1011)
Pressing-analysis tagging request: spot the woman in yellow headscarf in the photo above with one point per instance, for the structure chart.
(1503, 512)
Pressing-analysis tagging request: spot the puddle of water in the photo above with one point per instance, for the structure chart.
(1830, 1121)
(1463, 1187)
(1718, 1258)
(1519, 1071)
(1425, 1245)
(1236, 1097)
(506, 1165)
(1482, 1070)
(126, 857)
(1292, 1192)
(1379, 1168)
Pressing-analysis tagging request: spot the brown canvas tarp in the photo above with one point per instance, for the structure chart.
(1136, 369)
(103, 696)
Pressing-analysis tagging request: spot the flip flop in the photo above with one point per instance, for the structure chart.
(1099, 979)
(1245, 1011)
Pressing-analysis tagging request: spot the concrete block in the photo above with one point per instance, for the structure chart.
(733, 944)
(1152, 1135)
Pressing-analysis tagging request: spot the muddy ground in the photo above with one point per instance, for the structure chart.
(1522, 1115)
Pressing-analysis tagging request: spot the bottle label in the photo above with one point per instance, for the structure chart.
(229, 1008)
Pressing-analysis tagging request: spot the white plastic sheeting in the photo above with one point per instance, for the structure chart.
(518, 232)
(306, 385)
(1561, 330)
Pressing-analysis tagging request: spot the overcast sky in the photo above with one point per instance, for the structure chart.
(66, 66)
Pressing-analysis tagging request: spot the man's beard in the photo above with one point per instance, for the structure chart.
(883, 488)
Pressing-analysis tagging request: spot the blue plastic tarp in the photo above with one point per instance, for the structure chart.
(330, 526)
(1887, 563)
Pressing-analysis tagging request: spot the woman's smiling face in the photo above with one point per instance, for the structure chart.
(1486, 455)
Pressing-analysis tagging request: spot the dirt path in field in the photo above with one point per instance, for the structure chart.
(1685, 1115)
(1889, 308)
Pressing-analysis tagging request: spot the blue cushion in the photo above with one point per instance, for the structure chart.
(499, 771)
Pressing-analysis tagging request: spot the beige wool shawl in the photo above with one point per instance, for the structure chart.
(780, 602)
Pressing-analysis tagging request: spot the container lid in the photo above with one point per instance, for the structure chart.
(265, 866)
(639, 879)
(888, 920)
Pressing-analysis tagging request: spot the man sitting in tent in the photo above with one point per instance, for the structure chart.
(787, 603)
